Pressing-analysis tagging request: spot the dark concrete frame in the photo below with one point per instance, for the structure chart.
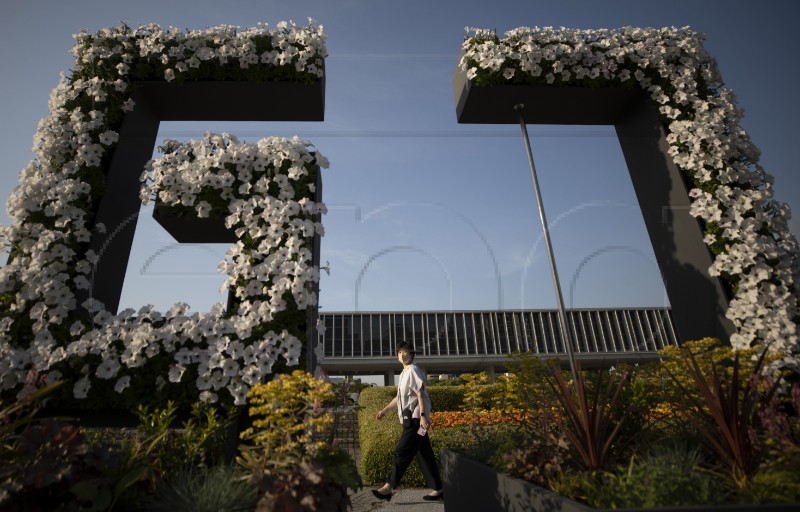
(698, 300)
(188, 101)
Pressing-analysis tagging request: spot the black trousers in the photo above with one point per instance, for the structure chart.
(412, 445)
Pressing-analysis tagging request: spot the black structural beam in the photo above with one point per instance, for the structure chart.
(697, 299)
(187, 101)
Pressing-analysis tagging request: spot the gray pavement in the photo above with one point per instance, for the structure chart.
(405, 500)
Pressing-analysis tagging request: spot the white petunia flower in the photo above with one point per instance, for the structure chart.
(108, 369)
(176, 372)
(81, 388)
(122, 383)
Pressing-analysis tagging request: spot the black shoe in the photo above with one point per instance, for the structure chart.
(378, 494)
(437, 497)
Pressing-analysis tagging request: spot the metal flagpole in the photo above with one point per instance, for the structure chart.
(566, 338)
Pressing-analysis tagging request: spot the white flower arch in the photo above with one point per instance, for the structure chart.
(41, 325)
(745, 229)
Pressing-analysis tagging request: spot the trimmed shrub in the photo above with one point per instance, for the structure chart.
(378, 438)
(450, 398)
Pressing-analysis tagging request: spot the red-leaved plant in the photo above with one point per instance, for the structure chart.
(726, 414)
(595, 415)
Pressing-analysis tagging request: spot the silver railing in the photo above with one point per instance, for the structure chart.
(496, 333)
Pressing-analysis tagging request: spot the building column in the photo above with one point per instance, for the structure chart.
(490, 372)
(388, 378)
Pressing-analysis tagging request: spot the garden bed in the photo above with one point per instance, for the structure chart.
(472, 485)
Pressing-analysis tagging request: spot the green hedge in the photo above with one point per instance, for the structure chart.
(447, 398)
(379, 438)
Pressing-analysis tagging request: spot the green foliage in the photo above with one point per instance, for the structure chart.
(704, 405)
(635, 413)
(447, 398)
(193, 489)
(54, 467)
(45, 463)
(15, 417)
(286, 418)
(339, 467)
(443, 383)
(726, 413)
(443, 398)
(163, 448)
(49, 463)
(476, 397)
(778, 477)
(780, 485)
(539, 460)
(377, 397)
(378, 438)
(284, 457)
(303, 488)
(671, 475)
(708, 354)
(526, 389)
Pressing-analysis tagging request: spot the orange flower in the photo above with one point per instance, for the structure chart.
(483, 418)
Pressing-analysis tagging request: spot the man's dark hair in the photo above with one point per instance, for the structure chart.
(405, 346)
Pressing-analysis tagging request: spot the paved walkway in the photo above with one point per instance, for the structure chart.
(405, 499)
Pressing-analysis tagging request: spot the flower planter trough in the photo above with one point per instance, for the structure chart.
(237, 101)
(472, 485)
(194, 230)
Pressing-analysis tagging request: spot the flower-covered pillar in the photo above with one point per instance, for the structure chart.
(74, 216)
(731, 265)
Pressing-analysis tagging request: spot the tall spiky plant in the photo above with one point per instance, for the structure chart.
(594, 416)
(724, 410)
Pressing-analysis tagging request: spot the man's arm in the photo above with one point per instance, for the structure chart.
(424, 420)
(389, 406)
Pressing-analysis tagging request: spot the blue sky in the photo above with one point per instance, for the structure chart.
(424, 213)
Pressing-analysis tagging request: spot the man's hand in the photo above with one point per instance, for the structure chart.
(380, 415)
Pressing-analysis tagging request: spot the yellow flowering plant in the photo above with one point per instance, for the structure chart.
(286, 456)
(287, 421)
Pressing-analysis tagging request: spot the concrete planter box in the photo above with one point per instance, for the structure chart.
(235, 101)
(193, 229)
(543, 105)
(472, 485)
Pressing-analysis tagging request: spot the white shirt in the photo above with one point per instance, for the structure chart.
(411, 381)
